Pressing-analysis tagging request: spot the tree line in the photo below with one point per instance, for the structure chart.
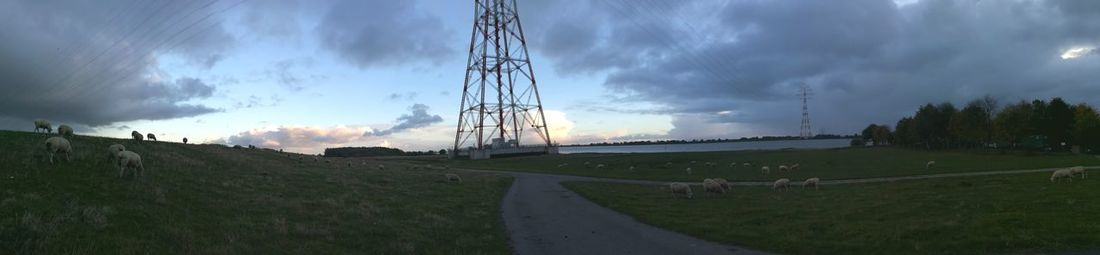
(376, 151)
(717, 140)
(1037, 125)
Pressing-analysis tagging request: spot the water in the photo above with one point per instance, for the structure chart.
(695, 147)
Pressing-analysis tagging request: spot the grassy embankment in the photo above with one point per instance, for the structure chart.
(210, 199)
(847, 163)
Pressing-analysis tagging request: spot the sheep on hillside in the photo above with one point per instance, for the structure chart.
(765, 170)
(679, 188)
(709, 185)
(113, 150)
(453, 178)
(137, 136)
(710, 164)
(600, 166)
(65, 130)
(693, 162)
(782, 184)
(794, 167)
(1062, 174)
(668, 164)
(688, 170)
(563, 165)
(811, 182)
(733, 165)
(587, 164)
(56, 145)
(44, 125)
(930, 164)
(1079, 170)
(130, 160)
(381, 167)
(151, 137)
(783, 168)
(725, 184)
(746, 164)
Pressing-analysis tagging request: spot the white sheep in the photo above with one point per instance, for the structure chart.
(113, 150)
(151, 137)
(44, 125)
(600, 166)
(710, 164)
(668, 164)
(733, 165)
(630, 169)
(693, 162)
(765, 170)
(783, 168)
(679, 188)
(185, 142)
(1062, 174)
(746, 164)
(811, 182)
(930, 164)
(794, 167)
(1079, 170)
(56, 145)
(137, 136)
(65, 130)
(725, 184)
(381, 167)
(782, 184)
(709, 185)
(587, 164)
(563, 165)
(688, 170)
(453, 178)
(130, 160)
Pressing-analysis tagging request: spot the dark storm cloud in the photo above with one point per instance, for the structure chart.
(417, 119)
(373, 33)
(866, 60)
(95, 63)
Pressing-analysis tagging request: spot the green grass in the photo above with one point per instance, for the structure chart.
(209, 199)
(845, 163)
(1020, 213)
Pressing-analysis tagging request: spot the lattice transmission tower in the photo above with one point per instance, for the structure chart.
(500, 99)
(805, 132)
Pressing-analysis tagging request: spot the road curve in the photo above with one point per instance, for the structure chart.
(542, 217)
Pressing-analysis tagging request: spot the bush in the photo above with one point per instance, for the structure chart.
(856, 142)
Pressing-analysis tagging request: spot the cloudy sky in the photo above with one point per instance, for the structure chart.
(305, 75)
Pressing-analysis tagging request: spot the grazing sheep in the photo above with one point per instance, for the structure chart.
(679, 188)
(56, 145)
(1062, 174)
(930, 164)
(721, 181)
(710, 164)
(137, 136)
(563, 165)
(113, 150)
(151, 137)
(782, 184)
(130, 160)
(709, 185)
(783, 168)
(41, 124)
(600, 166)
(765, 170)
(65, 130)
(794, 167)
(733, 165)
(811, 182)
(185, 142)
(746, 164)
(453, 178)
(693, 162)
(381, 167)
(1079, 170)
(587, 164)
(630, 169)
(668, 164)
(688, 170)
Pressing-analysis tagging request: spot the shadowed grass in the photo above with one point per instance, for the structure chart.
(210, 199)
(829, 164)
(1020, 213)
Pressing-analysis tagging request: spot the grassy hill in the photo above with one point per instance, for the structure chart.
(211, 199)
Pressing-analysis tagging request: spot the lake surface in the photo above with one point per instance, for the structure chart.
(695, 147)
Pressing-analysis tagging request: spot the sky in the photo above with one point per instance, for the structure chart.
(307, 75)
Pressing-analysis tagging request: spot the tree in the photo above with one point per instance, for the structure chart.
(1086, 127)
(868, 132)
(905, 132)
(1013, 123)
(881, 135)
(931, 125)
(442, 151)
(1058, 123)
(971, 126)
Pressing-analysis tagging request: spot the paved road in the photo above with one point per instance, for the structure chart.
(543, 217)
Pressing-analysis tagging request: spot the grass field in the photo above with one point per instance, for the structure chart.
(1021, 213)
(209, 199)
(845, 163)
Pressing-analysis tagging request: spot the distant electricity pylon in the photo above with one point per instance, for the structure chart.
(805, 94)
(499, 97)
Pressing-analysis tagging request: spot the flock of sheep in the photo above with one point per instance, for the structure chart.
(301, 159)
(721, 186)
(117, 153)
